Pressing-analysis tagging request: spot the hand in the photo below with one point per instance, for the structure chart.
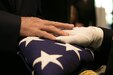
(85, 36)
(32, 26)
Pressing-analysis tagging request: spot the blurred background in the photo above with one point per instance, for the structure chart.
(104, 12)
(92, 13)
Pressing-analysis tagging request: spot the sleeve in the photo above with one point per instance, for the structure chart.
(9, 31)
(102, 54)
(107, 46)
(109, 67)
(107, 40)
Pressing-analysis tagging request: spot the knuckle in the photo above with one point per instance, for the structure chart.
(52, 27)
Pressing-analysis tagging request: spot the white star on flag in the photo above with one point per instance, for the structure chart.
(46, 59)
(29, 39)
(70, 47)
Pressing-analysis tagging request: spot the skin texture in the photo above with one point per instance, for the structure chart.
(32, 26)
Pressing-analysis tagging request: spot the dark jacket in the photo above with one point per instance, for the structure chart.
(105, 54)
(107, 50)
(10, 12)
(10, 20)
(57, 10)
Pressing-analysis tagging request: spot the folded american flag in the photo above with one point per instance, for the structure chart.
(47, 57)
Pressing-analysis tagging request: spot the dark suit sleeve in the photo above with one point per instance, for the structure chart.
(9, 31)
(107, 46)
(101, 55)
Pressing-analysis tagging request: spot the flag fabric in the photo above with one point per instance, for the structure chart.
(47, 57)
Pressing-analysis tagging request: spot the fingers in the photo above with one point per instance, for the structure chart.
(75, 39)
(45, 34)
(60, 25)
(32, 26)
(56, 24)
(54, 30)
(66, 39)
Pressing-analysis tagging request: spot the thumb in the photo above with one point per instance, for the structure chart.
(78, 39)
(65, 39)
